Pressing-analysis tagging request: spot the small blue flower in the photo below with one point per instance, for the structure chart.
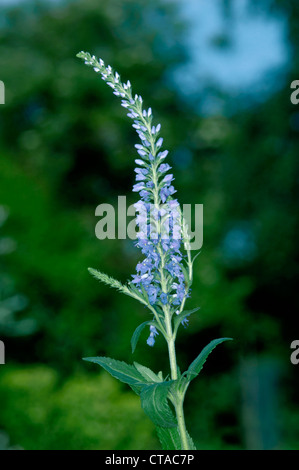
(151, 339)
(162, 155)
(168, 179)
(164, 167)
(138, 187)
(159, 142)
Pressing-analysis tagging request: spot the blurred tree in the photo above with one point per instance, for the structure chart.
(66, 147)
(72, 150)
(255, 170)
(11, 302)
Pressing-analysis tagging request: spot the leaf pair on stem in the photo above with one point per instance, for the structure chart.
(156, 393)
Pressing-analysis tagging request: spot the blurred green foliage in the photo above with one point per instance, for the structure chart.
(65, 148)
(85, 413)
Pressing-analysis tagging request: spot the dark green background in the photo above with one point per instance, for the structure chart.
(66, 146)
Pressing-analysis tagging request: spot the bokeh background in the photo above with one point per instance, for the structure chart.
(217, 75)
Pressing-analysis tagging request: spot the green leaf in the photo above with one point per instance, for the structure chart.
(169, 438)
(120, 370)
(145, 296)
(137, 332)
(177, 319)
(160, 375)
(134, 292)
(109, 281)
(147, 373)
(130, 290)
(155, 404)
(196, 366)
(186, 274)
(190, 442)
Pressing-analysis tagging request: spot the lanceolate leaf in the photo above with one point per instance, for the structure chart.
(155, 404)
(196, 366)
(134, 292)
(110, 281)
(170, 439)
(190, 442)
(120, 370)
(147, 374)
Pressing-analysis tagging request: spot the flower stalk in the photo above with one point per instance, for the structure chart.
(163, 278)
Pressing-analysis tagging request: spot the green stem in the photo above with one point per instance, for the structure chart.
(179, 399)
(181, 424)
(171, 348)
